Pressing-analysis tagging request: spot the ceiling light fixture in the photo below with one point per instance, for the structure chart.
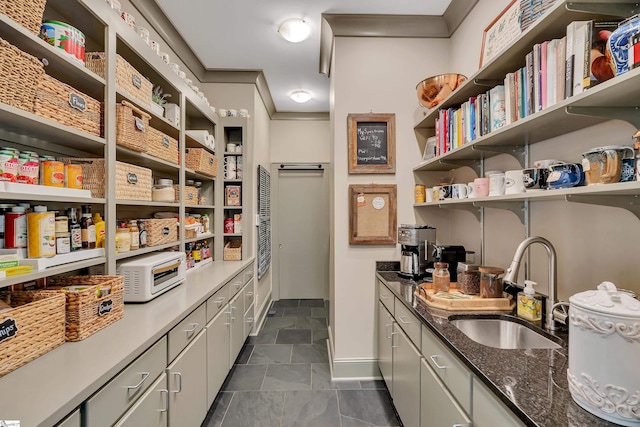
(300, 96)
(294, 30)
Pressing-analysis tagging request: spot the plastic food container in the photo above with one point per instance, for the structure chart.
(163, 191)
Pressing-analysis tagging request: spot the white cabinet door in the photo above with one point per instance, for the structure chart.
(236, 308)
(438, 407)
(218, 339)
(151, 410)
(187, 381)
(488, 411)
(73, 420)
(385, 327)
(406, 378)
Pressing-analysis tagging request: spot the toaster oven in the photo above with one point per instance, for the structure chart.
(147, 276)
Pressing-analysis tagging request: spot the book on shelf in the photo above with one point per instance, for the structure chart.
(561, 55)
(537, 78)
(472, 118)
(510, 98)
(498, 114)
(550, 73)
(528, 85)
(600, 66)
(581, 47)
(543, 74)
(569, 60)
(485, 114)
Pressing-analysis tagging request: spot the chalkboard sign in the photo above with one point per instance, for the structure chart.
(371, 143)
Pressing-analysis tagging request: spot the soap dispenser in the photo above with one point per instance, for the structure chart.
(529, 305)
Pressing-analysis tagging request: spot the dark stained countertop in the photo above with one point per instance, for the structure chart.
(532, 382)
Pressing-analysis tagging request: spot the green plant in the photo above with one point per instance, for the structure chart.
(159, 97)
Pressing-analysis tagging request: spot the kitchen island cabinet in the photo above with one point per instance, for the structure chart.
(436, 402)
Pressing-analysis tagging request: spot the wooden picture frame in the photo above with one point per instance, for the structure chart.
(500, 32)
(372, 143)
(373, 214)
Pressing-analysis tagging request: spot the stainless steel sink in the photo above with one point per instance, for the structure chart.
(502, 333)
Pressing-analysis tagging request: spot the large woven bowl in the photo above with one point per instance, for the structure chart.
(433, 90)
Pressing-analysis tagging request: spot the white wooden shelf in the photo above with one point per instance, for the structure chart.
(146, 203)
(202, 207)
(21, 278)
(148, 161)
(148, 249)
(157, 122)
(198, 238)
(197, 175)
(49, 198)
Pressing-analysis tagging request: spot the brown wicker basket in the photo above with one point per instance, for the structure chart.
(161, 231)
(19, 77)
(232, 250)
(190, 194)
(132, 127)
(58, 101)
(128, 79)
(202, 161)
(37, 322)
(162, 146)
(87, 310)
(27, 13)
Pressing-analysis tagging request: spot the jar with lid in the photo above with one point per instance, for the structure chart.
(143, 234)
(3, 210)
(163, 191)
(491, 282)
(468, 278)
(198, 185)
(123, 238)
(441, 277)
(134, 243)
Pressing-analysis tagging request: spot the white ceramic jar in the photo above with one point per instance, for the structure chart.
(604, 349)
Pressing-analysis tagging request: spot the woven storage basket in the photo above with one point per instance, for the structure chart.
(86, 311)
(162, 146)
(232, 251)
(38, 322)
(202, 161)
(60, 102)
(128, 79)
(27, 13)
(190, 194)
(132, 127)
(161, 231)
(19, 76)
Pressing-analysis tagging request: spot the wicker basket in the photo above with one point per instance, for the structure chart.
(232, 250)
(190, 194)
(19, 76)
(60, 102)
(162, 146)
(128, 79)
(27, 13)
(88, 311)
(38, 322)
(202, 161)
(161, 231)
(132, 127)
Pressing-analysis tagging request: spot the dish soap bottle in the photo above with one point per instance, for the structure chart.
(529, 305)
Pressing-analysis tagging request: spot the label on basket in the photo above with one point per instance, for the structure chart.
(165, 141)
(139, 124)
(105, 307)
(165, 231)
(132, 178)
(77, 102)
(137, 81)
(210, 160)
(8, 329)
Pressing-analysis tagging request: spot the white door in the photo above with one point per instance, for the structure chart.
(301, 238)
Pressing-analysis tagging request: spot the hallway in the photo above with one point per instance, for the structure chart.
(281, 379)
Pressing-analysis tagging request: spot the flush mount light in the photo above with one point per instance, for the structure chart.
(294, 30)
(300, 96)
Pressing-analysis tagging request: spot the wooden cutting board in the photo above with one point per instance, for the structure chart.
(457, 301)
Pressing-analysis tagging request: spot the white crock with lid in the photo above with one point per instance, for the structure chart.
(604, 350)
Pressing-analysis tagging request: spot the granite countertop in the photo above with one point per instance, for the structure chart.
(532, 382)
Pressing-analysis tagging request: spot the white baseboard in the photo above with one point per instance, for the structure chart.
(262, 316)
(351, 369)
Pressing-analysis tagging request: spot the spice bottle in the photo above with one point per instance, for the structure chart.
(135, 235)
(88, 228)
(75, 230)
(441, 277)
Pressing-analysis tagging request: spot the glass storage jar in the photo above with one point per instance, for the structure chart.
(441, 277)
(163, 191)
(491, 282)
(468, 278)
(123, 238)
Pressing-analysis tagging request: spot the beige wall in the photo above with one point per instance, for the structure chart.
(300, 141)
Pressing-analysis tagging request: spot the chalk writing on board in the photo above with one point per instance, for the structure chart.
(371, 143)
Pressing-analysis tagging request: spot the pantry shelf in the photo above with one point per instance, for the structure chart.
(157, 122)
(145, 203)
(146, 250)
(145, 160)
(198, 238)
(65, 268)
(51, 198)
(197, 175)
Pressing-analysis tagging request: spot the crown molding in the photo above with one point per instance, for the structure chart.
(300, 116)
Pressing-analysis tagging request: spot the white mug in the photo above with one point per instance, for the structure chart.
(231, 148)
(428, 195)
(496, 184)
(471, 190)
(459, 191)
(230, 168)
(233, 112)
(514, 182)
(222, 112)
(243, 112)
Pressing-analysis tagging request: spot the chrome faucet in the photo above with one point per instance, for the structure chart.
(511, 276)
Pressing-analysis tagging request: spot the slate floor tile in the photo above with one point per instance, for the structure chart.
(266, 336)
(286, 303)
(321, 379)
(245, 377)
(309, 353)
(309, 323)
(319, 336)
(366, 408)
(280, 323)
(271, 353)
(310, 408)
(297, 312)
(288, 377)
(244, 355)
(218, 410)
(311, 303)
(294, 336)
(255, 409)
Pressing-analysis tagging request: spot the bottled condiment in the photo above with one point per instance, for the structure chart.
(135, 235)
(75, 231)
(88, 228)
(15, 228)
(143, 234)
(62, 224)
(41, 233)
(205, 223)
(3, 210)
(100, 229)
(196, 253)
(491, 282)
(123, 239)
(441, 277)
(63, 243)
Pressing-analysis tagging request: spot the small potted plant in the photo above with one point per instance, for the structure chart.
(159, 98)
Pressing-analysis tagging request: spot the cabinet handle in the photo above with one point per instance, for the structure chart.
(228, 313)
(219, 301)
(232, 316)
(238, 285)
(166, 400)
(462, 425)
(392, 334)
(195, 326)
(250, 294)
(250, 320)
(387, 330)
(179, 375)
(402, 319)
(433, 358)
(145, 375)
(384, 296)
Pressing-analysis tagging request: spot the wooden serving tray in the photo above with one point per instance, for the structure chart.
(464, 302)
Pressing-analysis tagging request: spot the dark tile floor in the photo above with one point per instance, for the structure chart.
(281, 379)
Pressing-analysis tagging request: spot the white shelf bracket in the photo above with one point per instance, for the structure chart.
(614, 9)
(476, 165)
(628, 114)
(516, 151)
(630, 203)
(475, 210)
(517, 207)
(487, 82)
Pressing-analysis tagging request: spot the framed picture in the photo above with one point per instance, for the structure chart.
(372, 143)
(501, 32)
(372, 214)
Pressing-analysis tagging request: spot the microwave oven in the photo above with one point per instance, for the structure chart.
(147, 276)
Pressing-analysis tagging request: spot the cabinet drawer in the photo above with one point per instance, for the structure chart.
(151, 410)
(409, 323)
(185, 331)
(248, 295)
(248, 273)
(217, 301)
(236, 284)
(385, 295)
(438, 407)
(489, 411)
(451, 371)
(248, 321)
(72, 420)
(106, 406)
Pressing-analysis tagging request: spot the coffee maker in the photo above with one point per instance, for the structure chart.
(417, 249)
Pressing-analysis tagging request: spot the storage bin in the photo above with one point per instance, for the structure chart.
(162, 146)
(202, 161)
(190, 194)
(19, 78)
(60, 102)
(88, 310)
(27, 13)
(132, 127)
(232, 250)
(32, 328)
(128, 79)
(161, 231)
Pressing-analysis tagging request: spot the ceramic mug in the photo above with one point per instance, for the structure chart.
(481, 186)
(471, 190)
(222, 112)
(243, 112)
(565, 176)
(603, 165)
(497, 183)
(428, 195)
(514, 182)
(459, 191)
(535, 178)
(231, 148)
(165, 57)
(446, 192)
(233, 112)
(230, 168)
(628, 170)
(436, 193)
(546, 163)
